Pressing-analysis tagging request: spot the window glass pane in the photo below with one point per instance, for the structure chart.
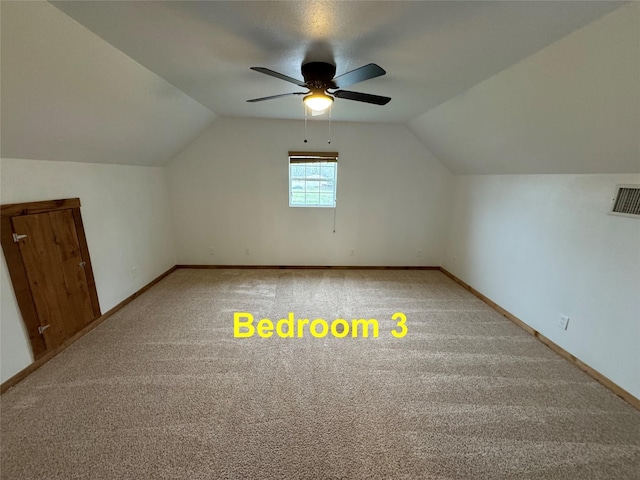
(297, 198)
(312, 184)
(297, 170)
(311, 199)
(326, 199)
(327, 171)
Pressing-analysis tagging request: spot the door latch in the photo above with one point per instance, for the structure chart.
(17, 237)
(41, 329)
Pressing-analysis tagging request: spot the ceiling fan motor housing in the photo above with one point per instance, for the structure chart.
(318, 75)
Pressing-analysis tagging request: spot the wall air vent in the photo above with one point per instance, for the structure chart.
(626, 201)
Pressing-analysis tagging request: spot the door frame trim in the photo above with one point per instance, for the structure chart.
(18, 273)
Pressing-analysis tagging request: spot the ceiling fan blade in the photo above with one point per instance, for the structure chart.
(262, 99)
(362, 97)
(358, 75)
(271, 73)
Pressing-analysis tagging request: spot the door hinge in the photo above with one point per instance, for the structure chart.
(17, 237)
(82, 264)
(41, 329)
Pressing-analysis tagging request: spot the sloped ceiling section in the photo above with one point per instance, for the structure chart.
(573, 107)
(68, 95)
(431, 50)
(135, 82)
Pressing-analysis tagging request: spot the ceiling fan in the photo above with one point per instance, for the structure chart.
(319, 80)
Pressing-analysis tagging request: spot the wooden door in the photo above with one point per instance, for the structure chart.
(55, 270)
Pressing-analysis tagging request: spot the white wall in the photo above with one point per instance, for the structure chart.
(125, 215)
(15, 351)
(573, 107)
(543, 245)
(229, 191)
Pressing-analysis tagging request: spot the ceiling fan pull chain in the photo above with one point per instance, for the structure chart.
(305, 123)
(334, 219)
(329, 142)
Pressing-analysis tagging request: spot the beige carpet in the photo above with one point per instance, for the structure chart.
(163, 390)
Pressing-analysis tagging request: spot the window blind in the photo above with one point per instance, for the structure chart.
(312, 157)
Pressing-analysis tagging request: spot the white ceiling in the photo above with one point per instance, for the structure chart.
(432, 51)
(135, 82)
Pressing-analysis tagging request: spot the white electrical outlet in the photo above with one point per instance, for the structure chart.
(246, 251)
(352, 253)
(211, 251)
(134, 272)
(563, 323)
(419, 253)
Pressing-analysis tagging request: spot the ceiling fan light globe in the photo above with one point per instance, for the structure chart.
(318, 102)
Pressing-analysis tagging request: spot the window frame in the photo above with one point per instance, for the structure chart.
(320, 158)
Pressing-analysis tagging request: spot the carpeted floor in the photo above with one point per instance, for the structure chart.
(163, 390)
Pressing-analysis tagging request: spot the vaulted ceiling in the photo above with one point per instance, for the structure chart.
(432, 51)
(134, 82)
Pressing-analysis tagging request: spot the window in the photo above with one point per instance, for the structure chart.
(312, 179)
